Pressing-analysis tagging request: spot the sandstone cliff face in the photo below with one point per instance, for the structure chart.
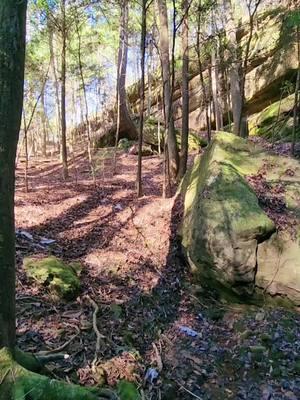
(272, 61)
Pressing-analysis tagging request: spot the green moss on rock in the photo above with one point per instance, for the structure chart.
(150, 135)
(128, 391)
(125, 144)
(223, 220)
(17, 383)
(62, 279)
(275, 121)
(227, 237)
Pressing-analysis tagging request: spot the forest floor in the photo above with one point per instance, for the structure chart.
(161, 331)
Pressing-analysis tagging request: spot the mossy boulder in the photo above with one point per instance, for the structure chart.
(275, 122)
(196, 141)
(146, 150)
(279, 267)
(222, 220)
(125, 144)
(151, 130)
(60, 278)
(227, 237)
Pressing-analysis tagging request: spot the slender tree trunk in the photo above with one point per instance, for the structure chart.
(234, 70)
(44, 123)
(87, 120)
(172, 149)
(185, 91)
(64, 153)
(81, 107)
(142, 97)
(28, 125)
(124, 120)
(204, 91)
(150, 69)
(215, 80)
(26, 153)
(159, 116)
(296, 102)
(12, 45)
(215, 91)
(126, 123)
(56, 85)
(227, 96)
(243, 123)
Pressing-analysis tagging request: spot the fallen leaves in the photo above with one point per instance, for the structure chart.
(271, 197)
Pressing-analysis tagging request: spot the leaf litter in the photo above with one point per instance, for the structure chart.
(173, 339)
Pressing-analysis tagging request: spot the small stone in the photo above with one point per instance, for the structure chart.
(151, 375)
(260, 316)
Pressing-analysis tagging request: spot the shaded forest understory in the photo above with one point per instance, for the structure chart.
(172, 338)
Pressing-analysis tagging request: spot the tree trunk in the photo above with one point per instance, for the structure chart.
(56, 85)
(63, 93)
(185, 91)
(142, 96)
(150, 71)
(87, 120)
(215, 91)
(12, 45)
(215, 79)
(235, 68)
(243, 125)
(168, 108)
(126, 123)
(26, 153)
(44, 123)
(204, 91)
(297, 87)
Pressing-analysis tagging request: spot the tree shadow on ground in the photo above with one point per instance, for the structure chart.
(146, 314)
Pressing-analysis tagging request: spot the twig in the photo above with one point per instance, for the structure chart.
(158, 358)
(58, 349)
(107, 394)
(46, 359)
(197, 300)
(188, 391)
(4, 376)
(99, 336)
(166, 339)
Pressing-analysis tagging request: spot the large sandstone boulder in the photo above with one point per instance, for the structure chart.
(279, 267)
(227, 237)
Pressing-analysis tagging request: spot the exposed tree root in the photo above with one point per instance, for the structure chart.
(100, 338)
(36, 362)
(18, 383)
